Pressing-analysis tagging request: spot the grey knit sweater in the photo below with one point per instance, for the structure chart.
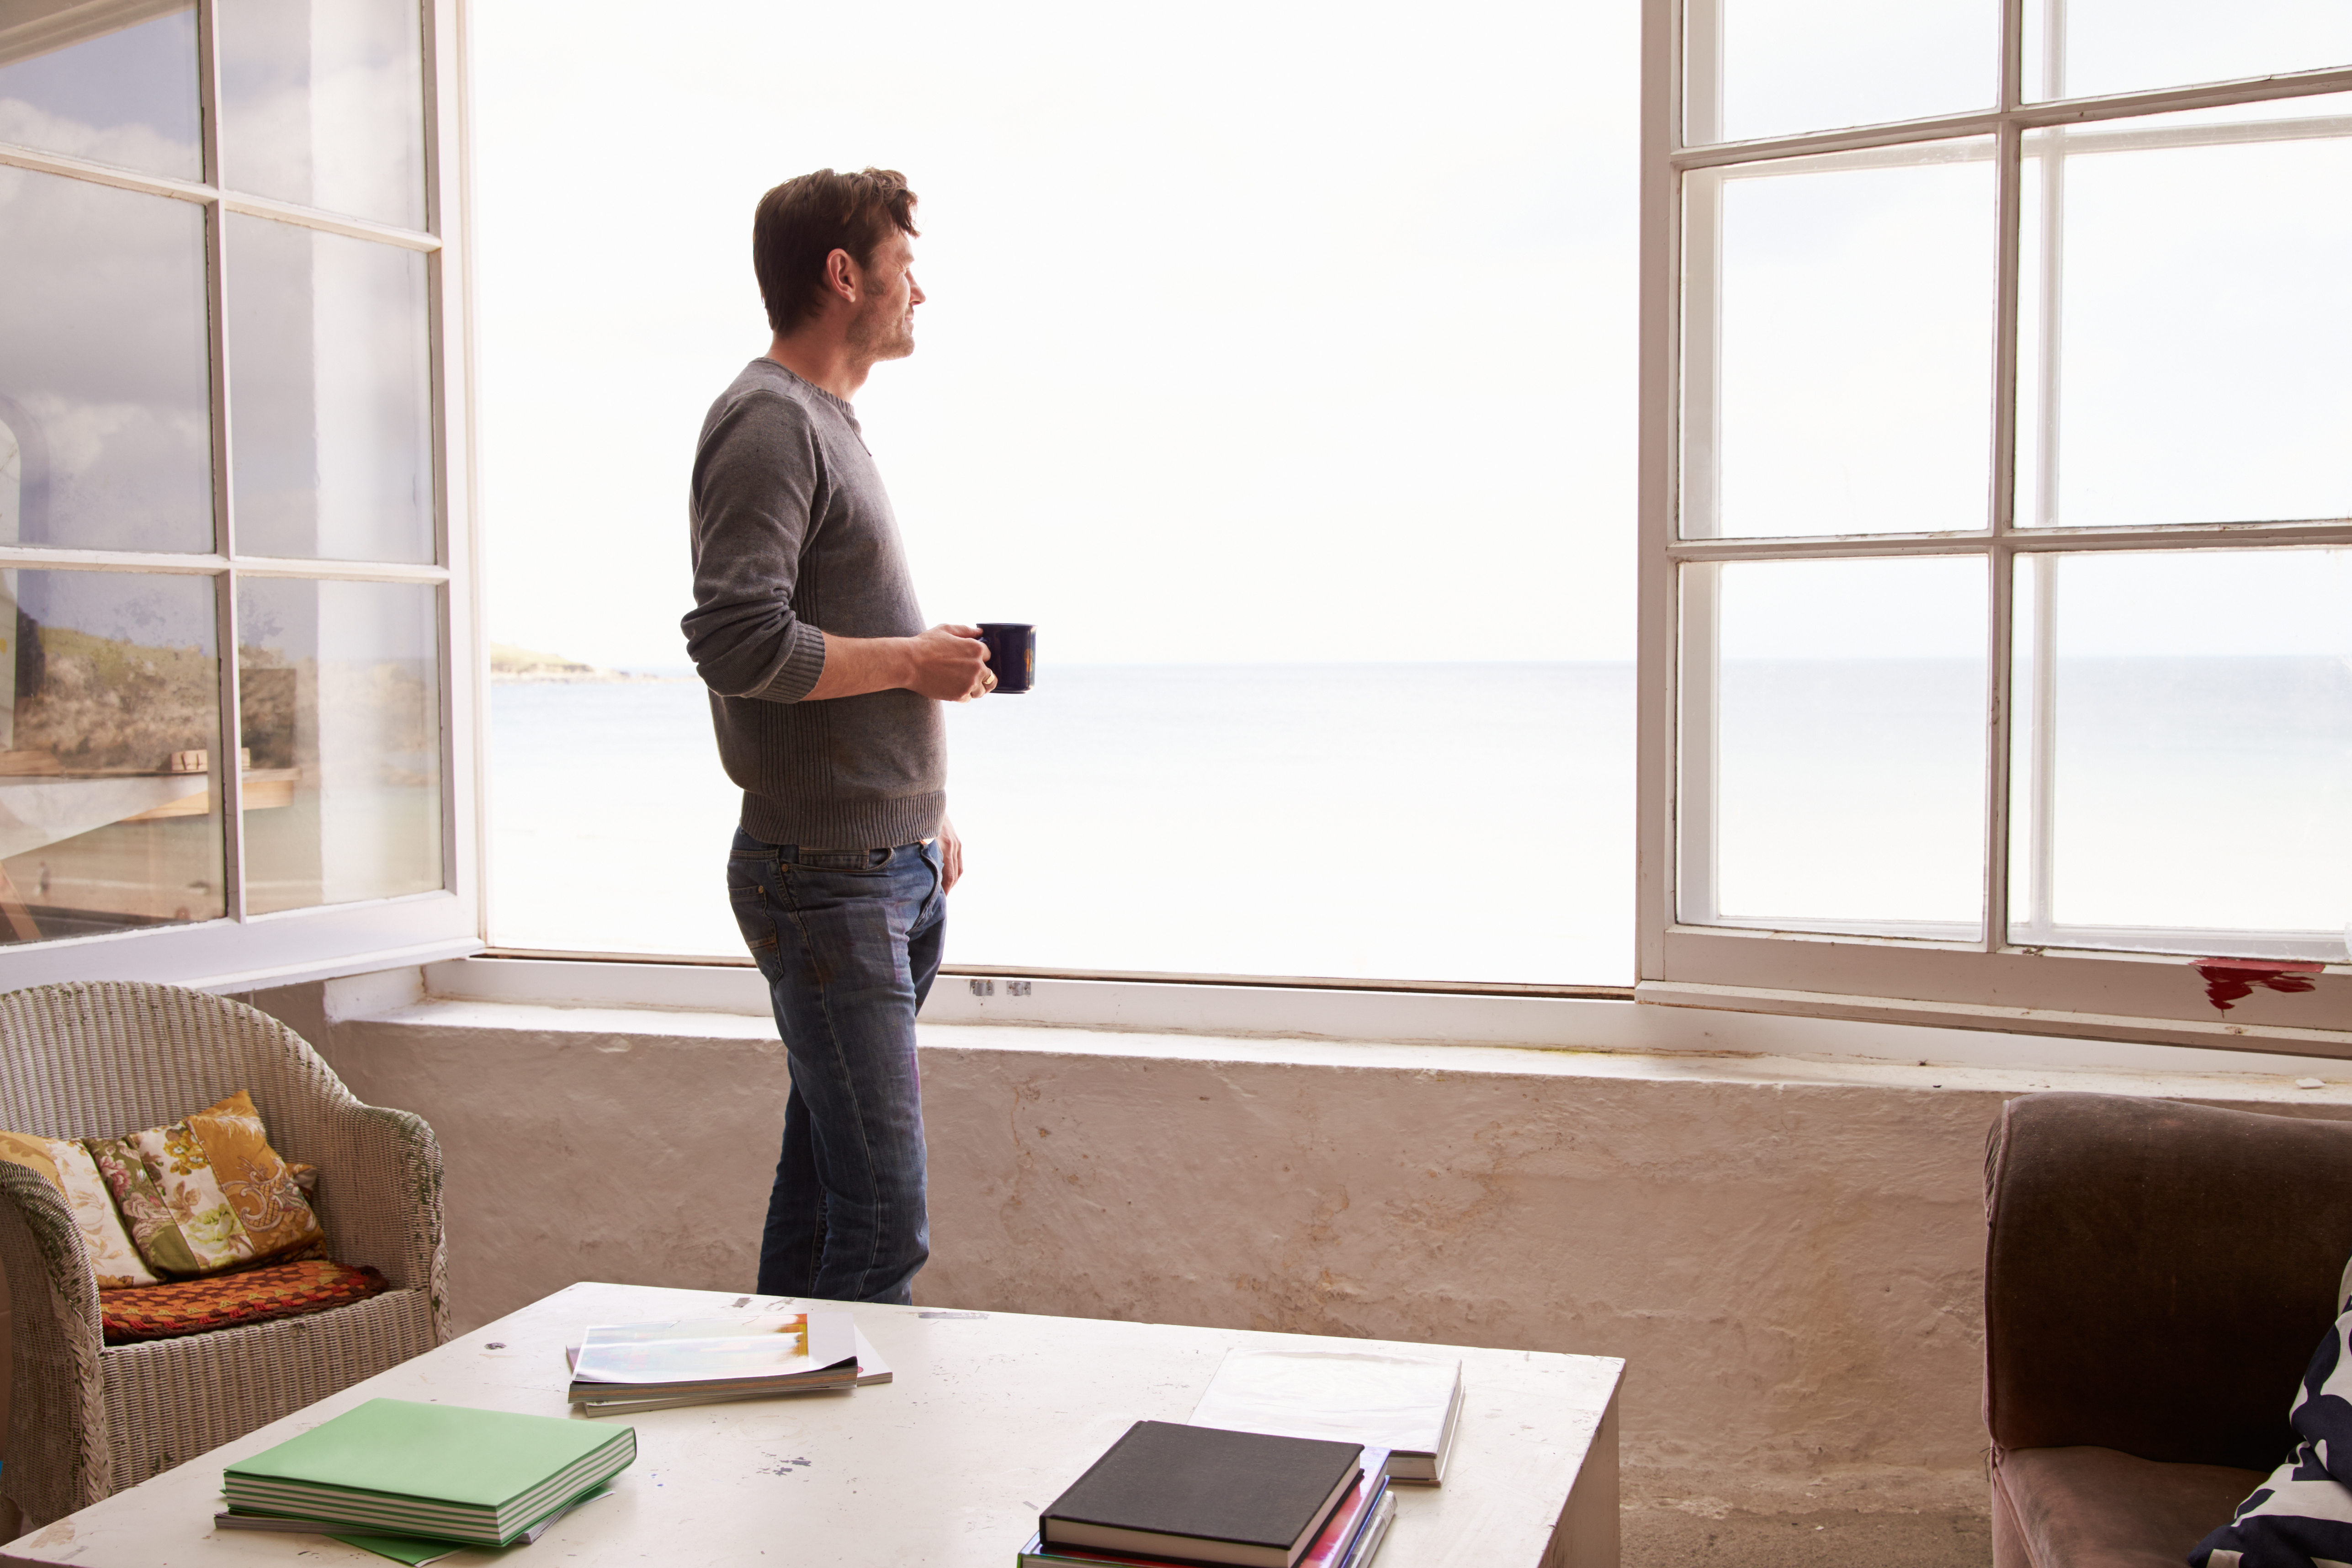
(794, 537)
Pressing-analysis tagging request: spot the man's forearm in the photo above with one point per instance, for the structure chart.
(946, 664)
(856, 665)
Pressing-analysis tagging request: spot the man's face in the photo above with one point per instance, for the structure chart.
(884, 327)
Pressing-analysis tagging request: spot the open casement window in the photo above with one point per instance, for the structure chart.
(1997, 459)
(236, 650)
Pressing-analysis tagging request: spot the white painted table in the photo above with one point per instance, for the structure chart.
(989, 1418)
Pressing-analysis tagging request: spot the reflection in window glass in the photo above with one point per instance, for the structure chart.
(340, 690)
(330, 394)
(109, 817)
(1783, 66)
(1833, 745)
(2079, 48)
(105, 413)
(2185, 321)
(2183, 777)
(322, 102)
(86, 85)
(1837, 333)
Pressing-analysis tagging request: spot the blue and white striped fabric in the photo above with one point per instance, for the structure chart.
(2301, 1516)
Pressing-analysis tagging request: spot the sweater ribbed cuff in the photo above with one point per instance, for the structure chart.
(803, 662)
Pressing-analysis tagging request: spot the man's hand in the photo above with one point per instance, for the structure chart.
(950, 857)
(950, 665)
(946, 664)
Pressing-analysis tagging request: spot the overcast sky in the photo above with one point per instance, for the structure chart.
(1254, 333)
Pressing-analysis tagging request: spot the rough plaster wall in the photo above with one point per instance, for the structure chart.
(1792, 1272)
(570, 1155)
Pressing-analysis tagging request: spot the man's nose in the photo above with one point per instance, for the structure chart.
(914, 291)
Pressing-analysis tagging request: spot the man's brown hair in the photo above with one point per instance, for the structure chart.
(804, 220)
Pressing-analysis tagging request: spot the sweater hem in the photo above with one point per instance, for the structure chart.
(881, 823)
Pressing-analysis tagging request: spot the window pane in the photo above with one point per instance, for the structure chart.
(322, 102)
(1309, 639)
(340, 686)
(71, 82)
(105, 407)
(1833, 746)
(2182, 780)
(1790, 66)
(330, 395)
(1837, 344)
(2185, 319)
(2078, 49)
(109, 817)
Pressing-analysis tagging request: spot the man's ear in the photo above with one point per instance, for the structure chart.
(843, 277)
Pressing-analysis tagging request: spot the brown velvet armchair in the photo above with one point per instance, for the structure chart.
(2156, 1276)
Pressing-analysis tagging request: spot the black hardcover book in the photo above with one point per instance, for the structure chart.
(1206, 1495)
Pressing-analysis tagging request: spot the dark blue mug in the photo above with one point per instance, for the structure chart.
(1011, 654)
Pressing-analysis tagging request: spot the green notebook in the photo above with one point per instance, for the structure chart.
(481, 1476)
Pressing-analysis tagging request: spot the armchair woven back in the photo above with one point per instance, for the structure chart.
(102, 1058)
(108, 1057)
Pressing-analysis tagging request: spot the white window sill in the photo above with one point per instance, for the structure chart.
(1414, 1031)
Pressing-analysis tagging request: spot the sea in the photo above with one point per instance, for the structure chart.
(1465, 821)
(1439, 822)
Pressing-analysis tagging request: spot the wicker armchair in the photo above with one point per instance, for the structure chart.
(86, 1418)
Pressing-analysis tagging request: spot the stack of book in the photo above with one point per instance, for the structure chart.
(1182, 1495)
(428, 1476)
(1407, 1404)
(625, 1368)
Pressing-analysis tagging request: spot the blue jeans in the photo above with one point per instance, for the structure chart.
(849, 942)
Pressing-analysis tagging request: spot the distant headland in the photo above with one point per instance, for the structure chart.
(508, 662)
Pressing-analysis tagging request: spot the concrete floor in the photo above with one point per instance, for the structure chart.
(1672, 1538)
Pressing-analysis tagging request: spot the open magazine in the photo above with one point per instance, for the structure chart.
(686, 1359)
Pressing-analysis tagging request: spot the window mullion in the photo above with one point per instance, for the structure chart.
(1986, 121)
(2000, 677)
(228, 776)
(2000, 704)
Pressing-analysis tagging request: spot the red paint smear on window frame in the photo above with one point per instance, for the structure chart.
(2230, 980)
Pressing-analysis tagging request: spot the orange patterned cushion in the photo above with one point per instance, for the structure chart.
(224, 1300)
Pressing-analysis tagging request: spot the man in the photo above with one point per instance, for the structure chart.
(825, 690)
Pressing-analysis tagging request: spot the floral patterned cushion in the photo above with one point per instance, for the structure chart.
(224, 1300)
(207, 1193)
(67, 1167)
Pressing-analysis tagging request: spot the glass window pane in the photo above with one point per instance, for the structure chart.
(2185, 320)
(339, 689)
(2182, 779)
(2080, 49)
(330, 395)
(1833, 746)
(1296, 666)
(75, 79)
(105, 404)
(1837, 344)
(1783, 66)
(109, 817)
(322, 102)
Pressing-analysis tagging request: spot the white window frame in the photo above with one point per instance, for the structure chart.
(244, 950)
(1988, 983)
